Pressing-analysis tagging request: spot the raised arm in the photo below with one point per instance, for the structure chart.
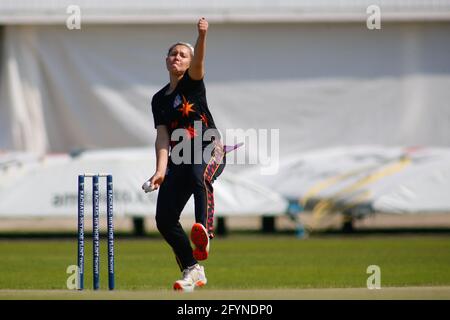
(197, 67)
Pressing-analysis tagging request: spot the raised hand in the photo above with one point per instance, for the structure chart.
(202, 26)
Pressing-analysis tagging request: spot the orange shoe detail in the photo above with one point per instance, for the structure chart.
(177, 287)
(199, 283)
(200, 238)
(200, 254)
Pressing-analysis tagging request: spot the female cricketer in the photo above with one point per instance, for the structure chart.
(182, 118)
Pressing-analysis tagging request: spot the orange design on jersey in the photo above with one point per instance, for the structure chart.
(186, 107)
(191, 132)
(204, 119)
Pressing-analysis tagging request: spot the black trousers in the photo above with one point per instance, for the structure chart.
(182, 181)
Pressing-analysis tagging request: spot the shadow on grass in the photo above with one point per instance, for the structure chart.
(12, 235)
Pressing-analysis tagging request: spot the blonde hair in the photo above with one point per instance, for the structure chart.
(188, 45)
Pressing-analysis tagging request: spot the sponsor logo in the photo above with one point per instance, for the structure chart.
(177, 101)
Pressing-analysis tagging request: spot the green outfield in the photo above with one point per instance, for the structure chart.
(281, 266)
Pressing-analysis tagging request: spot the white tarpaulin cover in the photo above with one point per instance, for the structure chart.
(323, 87)
(47, 186)
(424, 187)
(392, 180)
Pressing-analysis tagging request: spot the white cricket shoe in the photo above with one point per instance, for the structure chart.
(192, 277)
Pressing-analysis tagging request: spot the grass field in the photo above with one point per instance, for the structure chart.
(277, 265)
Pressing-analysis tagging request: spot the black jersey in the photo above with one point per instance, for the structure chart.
(180, 109)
